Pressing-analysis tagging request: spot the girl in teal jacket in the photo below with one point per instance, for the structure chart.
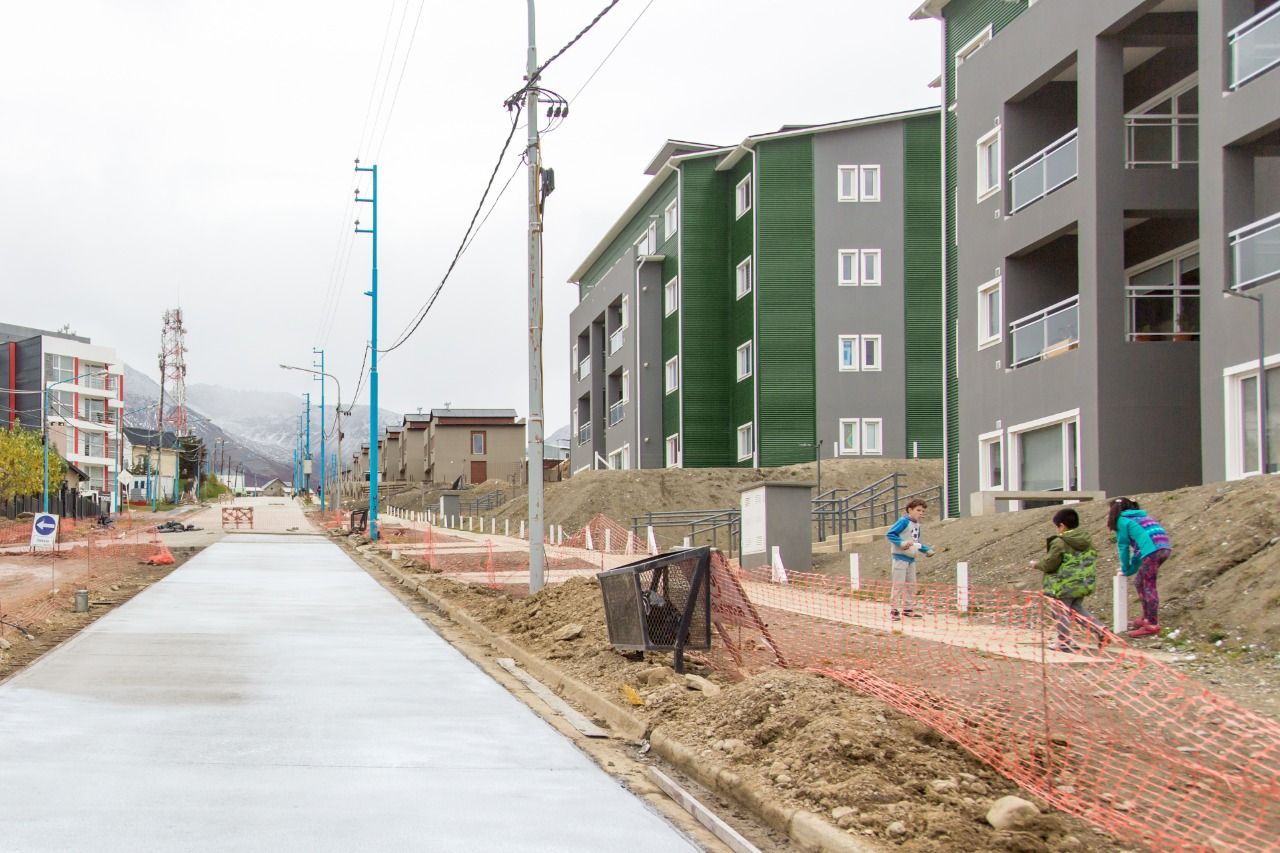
(1144, 546)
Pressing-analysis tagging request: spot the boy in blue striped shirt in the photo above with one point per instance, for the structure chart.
(905, 546)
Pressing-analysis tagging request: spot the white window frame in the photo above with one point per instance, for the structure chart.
(743, 197)
(744, 277)
(624, 313)
(967, 50)
(671, 374)
(1176, 256)
(1232, 379)
(1013, 449)
(866, 364)
(671, 219)
(993, 289)
(626, 386)
(863, 279)
(671, 296)
(623, 455)
(993, 182)
(863, 171)
(672, 450)
(867, 449)
(647, 243)
(985, 440)
(841, 171)
(856, 257)
(852, 366)
(855, 427)
(750, 433)
(747, 350)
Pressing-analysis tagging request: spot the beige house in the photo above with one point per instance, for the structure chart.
(275, 489)
(390, 460)
(413, 447)
(474, 444)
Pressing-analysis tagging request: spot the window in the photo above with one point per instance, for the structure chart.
(1164, 299)
(671, 297)
(671, 219)
(990, 329)
(746, 442)
(673, 451)
(991, 461)
(858, 183)
(870, 267)
(62, 403)
(989, 165)
(647, 244)
(95, 444)
(848, 349)
(623, 312)
(870, 350)
(871, 437)
(744, 279)
(1045, 454)
(850, 437)
(672, 374)
(59, 368)
(477, 442)
(970, 47)
(742, 197)
(847, 267)
(624, 390)
(1244, 454)
(620, 459)
(744, 361)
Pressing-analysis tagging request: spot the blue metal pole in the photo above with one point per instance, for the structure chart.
(372, 293)
(306, 473)
(45, 423)
(322, 506)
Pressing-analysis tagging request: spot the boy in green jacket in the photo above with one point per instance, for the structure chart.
(1070, 573)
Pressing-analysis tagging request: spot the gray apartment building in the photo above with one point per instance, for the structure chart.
(760, 303)
(1106, 163)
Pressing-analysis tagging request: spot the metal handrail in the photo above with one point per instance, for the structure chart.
(616, 412)
(1173, 121)
(699, 522)
(615, 340)
(584, 434)
(1042, 316)
(584, 368)
(842, 510)
(1039, 157)
(1043, 313)
(1242, 235)
(1243, 30)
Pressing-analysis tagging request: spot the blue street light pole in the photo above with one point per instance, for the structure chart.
(45, 427)
(372, 293)
(321, 354)
(306, 464)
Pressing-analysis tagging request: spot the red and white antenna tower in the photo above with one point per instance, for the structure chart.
(173, 372)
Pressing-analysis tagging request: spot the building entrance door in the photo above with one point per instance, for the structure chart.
(479, 472)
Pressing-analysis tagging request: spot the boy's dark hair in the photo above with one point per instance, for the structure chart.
(1068, 518)
(915, 502)
(1118, 506)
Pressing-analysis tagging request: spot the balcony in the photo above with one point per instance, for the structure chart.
(1255, 252)
(1046, 333)
(615, 340)
(616, 412)
(584, 368)
(1255, 46)
(1044, 171)
(1161, 141)
(584, 434)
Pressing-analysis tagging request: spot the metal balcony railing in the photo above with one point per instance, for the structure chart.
(584, 368)
(1047, 332)
(1043, 172)
(1161, 140)
(99, 382)
(584, 434)
(1255, 252)
(1255, 46)
(616, 412)
(615, 340)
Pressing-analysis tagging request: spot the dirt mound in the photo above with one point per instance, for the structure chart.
(1223, 581)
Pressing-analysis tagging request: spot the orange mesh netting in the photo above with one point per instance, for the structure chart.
(1107, 732)
(607, 536)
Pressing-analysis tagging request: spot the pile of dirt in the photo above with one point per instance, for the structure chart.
(813, 743)
(1223, 582)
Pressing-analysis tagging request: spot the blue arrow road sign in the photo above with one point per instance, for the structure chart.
(46, 524)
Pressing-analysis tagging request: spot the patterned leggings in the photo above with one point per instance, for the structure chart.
(1145, 581)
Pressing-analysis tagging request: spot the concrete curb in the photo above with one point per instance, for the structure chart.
(809, 831)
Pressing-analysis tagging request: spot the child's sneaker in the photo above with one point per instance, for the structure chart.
(911, 614)
(1069, 648)
(895, 615)
(1146, 630)
(1137, 623)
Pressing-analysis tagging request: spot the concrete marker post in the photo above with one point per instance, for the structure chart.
(590, 544)
(608, 541)
(778, 572)
(855, 576)
(1119, 603)
(522, 528)
(653, 541)
(962, 586)
(506, 527)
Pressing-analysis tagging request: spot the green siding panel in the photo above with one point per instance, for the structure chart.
(922, 144)
(785, 299)
(706, 291)
(963, 20)
(631, 233)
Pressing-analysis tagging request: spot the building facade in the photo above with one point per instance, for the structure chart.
(761, 303)
(474, 444)
(84, 384)
(1101, 159)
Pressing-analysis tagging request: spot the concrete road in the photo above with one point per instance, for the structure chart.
(271, 696)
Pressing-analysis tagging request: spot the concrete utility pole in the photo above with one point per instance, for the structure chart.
(535, 452)
(372, 293)
(320, 352)
(306, 461)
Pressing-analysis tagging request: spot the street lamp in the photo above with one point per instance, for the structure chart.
(45, 425)
(339, 410)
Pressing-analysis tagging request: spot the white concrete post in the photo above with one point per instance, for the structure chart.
(962, 586)
(608, 541)
(631, 543)
(506, 527)
(493, 527)
(1120, 603)
(778, 572)
(395, 553)
(522, 528)
(688, 542)
(855, 576)
(590, 544)
(653, 541)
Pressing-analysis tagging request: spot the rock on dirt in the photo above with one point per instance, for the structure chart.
(656, 676)
(568, 632)
(697, 682)
(5, 645)
(1009, 812)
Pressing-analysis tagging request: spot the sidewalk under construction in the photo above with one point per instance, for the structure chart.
(270, 695)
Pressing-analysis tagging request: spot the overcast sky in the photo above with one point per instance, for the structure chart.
(173, 152)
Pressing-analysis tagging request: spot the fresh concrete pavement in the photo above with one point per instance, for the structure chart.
(270, 695)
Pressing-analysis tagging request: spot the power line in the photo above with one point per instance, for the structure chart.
(403, 66)
(543, 67)
(616, 44)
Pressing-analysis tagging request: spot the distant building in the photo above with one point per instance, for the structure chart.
(474, 444)
(156, 459)
(275, 488)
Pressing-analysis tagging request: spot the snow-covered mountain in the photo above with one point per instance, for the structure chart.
(260, 426)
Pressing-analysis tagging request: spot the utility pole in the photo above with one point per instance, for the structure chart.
(535, 451)
(322, 489)
(372, 293)
(306, 461)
